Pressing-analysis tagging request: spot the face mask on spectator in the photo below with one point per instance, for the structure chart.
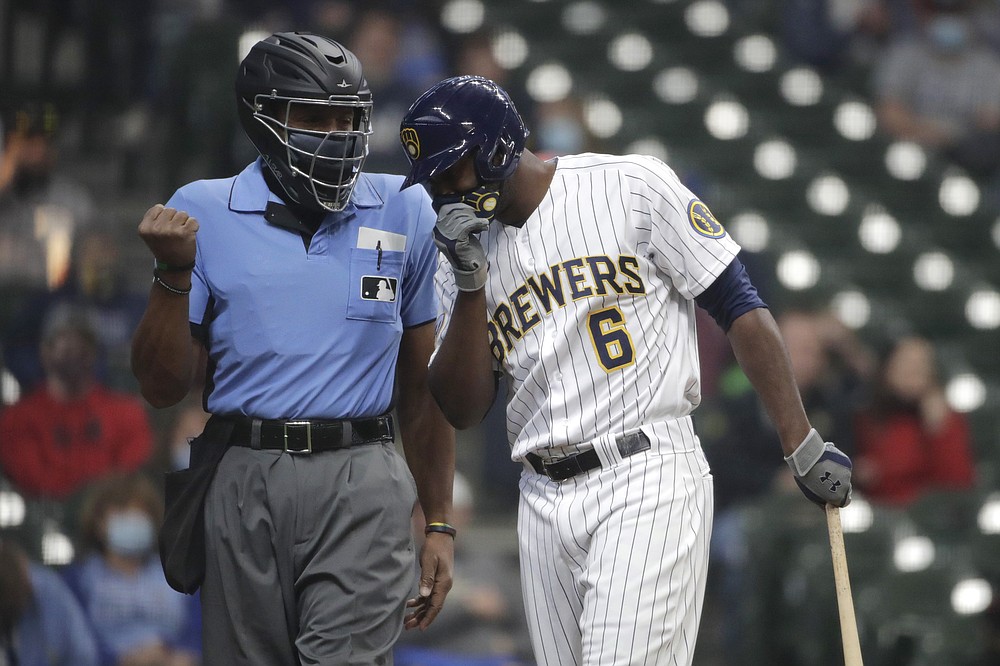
(561, 136)
(948, 33)
(130, 533)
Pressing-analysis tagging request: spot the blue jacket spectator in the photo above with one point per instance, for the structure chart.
(41, 623)
(135, 615)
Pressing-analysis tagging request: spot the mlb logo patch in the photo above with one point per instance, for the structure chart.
(378, 288)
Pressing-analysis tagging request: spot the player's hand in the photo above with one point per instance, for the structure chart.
(822, 471)
(170, 235)
(437, 561)
(455, 235)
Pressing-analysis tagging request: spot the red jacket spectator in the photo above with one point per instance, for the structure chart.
(909, 440)
(71, 430)
(909, 459)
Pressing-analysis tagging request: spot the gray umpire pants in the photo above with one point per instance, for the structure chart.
(309, 557)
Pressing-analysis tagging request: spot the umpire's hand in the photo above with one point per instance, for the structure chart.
(437, 562)
(170, 235)
(822, 471)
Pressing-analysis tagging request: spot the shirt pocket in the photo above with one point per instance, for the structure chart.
(376, 276)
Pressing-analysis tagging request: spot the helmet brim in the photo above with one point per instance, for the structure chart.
(423, 170)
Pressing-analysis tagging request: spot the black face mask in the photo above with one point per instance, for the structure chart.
(331, 165)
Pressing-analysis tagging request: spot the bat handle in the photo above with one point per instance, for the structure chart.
(845, 602)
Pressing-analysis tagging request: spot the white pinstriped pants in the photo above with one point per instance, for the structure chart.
(614, 562)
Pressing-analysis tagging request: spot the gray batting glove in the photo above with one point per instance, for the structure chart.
(455, 234)
(822, 471)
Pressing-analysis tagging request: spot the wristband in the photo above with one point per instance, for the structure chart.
(807, 453)
(164, 267)
(473, 280)
(172, 289)
(444, 528)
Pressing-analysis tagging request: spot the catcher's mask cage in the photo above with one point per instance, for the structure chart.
(317, 169)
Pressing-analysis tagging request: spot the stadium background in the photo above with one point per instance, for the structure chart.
(831, 212)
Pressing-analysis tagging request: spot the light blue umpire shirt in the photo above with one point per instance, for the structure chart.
(293, 333)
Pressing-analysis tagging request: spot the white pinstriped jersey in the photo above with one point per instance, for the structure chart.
(590, 303)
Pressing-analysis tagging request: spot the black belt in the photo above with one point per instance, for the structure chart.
(567, 468)
(305, 436)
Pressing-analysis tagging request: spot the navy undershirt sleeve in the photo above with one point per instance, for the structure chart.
(731, 295)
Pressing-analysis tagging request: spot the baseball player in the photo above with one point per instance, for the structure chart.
(308, 286)
(580, 294)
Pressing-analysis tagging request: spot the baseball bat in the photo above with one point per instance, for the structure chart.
(845, 603)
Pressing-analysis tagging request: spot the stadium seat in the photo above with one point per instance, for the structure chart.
(916, 623)
(946, 516)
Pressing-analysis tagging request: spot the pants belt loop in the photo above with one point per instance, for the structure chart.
(606, 450)
(255, 434)
(348, 436)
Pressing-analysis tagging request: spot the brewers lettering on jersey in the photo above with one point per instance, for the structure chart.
(580, 295)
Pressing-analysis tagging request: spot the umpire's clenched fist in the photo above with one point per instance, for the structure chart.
(169, 233)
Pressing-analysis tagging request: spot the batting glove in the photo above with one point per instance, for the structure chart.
(822, 471)
(455, 235)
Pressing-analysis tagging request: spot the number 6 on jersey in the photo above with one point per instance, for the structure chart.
(612, 342)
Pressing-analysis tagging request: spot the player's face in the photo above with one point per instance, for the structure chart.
(459, 178)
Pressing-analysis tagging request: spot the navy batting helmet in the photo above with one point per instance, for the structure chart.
(317, 169)
(460, 115)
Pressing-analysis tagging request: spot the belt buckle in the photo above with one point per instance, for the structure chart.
(308, 428)
(564, 468)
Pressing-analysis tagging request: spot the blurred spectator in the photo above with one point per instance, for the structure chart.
(99, 289)
(560, 129)
(71, 429)
(331, 17)
(483, 621)
(199, 47)
(830, 34)
(41, 623)
(941, 89)
(475, 57)
(40, 208)
(380, 38)
(137, 618)
(908, 439)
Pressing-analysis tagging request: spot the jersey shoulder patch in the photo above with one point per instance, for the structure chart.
(702, 220)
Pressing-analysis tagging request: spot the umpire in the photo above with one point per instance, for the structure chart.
(302, 287)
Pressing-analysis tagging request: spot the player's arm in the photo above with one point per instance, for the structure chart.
(429, 445)
(164, 355)
(733, 302)
(760, 350)
(821, 470)
(461, 376)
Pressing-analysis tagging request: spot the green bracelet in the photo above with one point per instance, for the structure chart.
(164, 267)
(444, 528)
